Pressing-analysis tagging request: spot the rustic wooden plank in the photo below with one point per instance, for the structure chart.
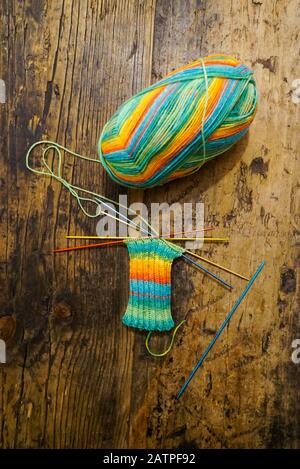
(246, 393)
(75, 376)
(68, 66)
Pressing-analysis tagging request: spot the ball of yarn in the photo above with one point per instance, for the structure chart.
(172, 128)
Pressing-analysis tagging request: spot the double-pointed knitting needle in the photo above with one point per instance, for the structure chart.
(208, 228)
(131, 223)
(204, 259)
(189, 260)
(73, 248)
(212, 343)
(153, 237)
(216, 265)
(95, 245)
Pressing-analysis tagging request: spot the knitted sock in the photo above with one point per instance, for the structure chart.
(149, 304)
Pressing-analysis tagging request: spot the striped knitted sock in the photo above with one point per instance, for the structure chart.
(149, 304)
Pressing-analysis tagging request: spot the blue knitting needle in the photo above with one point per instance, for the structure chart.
(191, 261)
(188, 259)
(206, 352)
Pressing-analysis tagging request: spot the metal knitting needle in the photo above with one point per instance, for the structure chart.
(129, 222)
(208, 349)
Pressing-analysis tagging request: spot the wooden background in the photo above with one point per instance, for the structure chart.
(75, 377)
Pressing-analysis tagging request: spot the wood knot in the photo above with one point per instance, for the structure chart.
(288, 280)
(259, 166)
(62, 310)
(7, 328)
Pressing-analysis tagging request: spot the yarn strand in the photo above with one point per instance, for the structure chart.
(163, 354)
(94, 197)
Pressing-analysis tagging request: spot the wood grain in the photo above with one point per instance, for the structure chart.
(68, 378)
(75, 377)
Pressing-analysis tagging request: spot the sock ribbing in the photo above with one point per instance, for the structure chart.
(149, 304)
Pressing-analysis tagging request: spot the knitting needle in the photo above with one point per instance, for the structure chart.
(179, 239)
(130, 237)
(187, 251)
(209, 228)
(208, 349)
(139, 228)
(74, 248)
(217, 265)
(208, 260)
(208, 272)
(131, 223)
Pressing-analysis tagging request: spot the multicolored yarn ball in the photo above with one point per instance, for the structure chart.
(172, 128)
(149, 304)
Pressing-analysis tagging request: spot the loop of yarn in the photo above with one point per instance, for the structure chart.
(172, 128)
(162, 354)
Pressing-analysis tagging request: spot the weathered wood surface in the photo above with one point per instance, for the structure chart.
(75, 377)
